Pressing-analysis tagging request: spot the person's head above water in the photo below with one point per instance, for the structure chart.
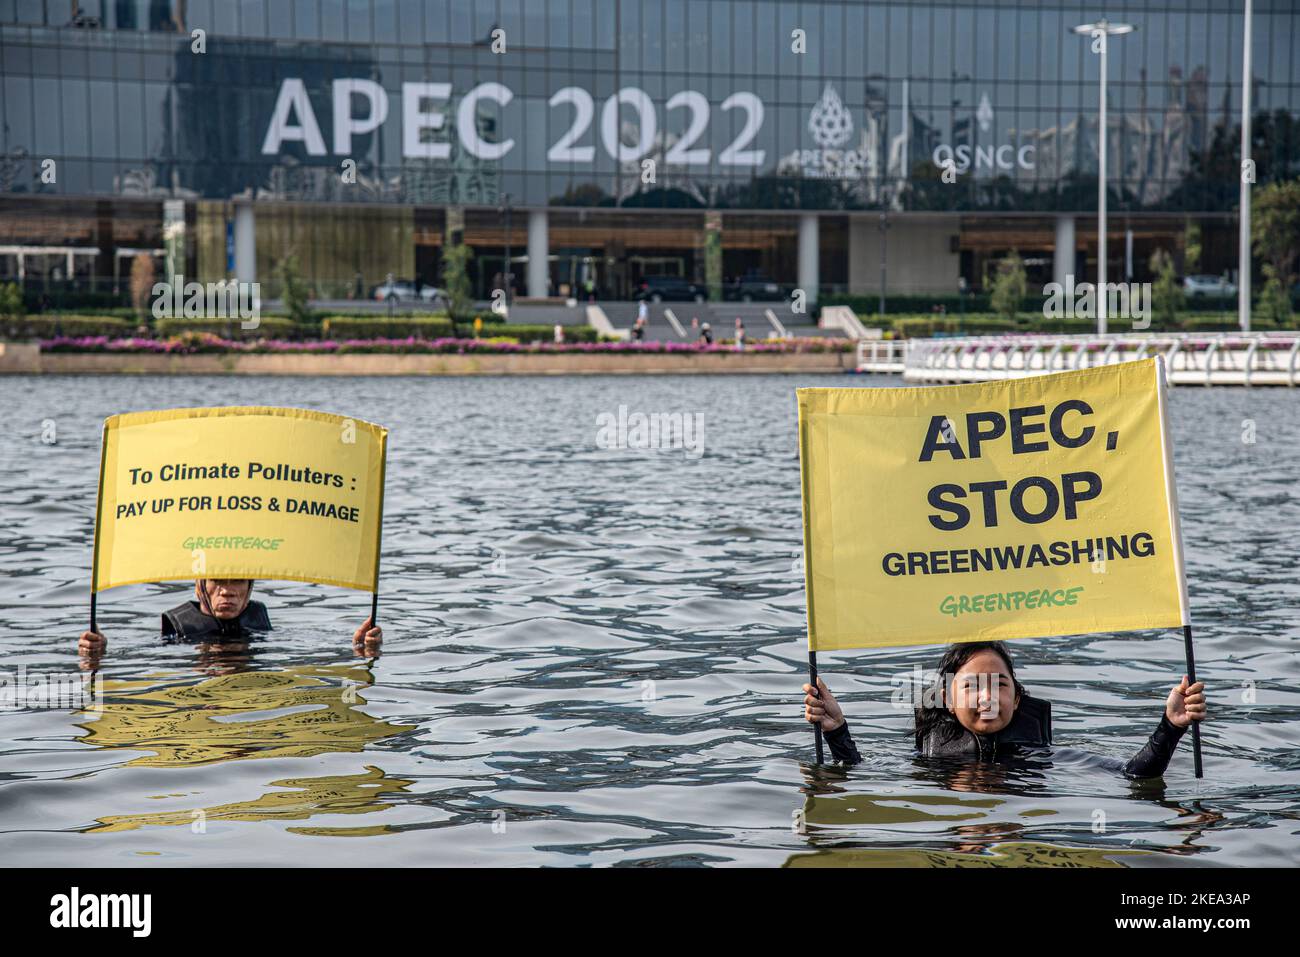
(225, 612)
(977, 707)
(224, 598)
(977, 687)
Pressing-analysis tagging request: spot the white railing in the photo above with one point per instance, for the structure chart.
(1230, 358)
(881, 355)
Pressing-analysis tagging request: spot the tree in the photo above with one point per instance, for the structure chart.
(293, 290)
(1274, 300)
(1191, 247)
(1275, 228)
(455, 280)
(1009, 286)
(141, 284)
(1166, 293)
(11, 301)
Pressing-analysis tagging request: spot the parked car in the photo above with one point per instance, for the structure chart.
(1215, 286)
(669, 289)
(403, 290)
(754, 289)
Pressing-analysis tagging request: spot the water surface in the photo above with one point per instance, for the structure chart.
(593, 657)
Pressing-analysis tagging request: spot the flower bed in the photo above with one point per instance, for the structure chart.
(208, 343)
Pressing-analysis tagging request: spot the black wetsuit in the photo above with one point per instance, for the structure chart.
(189, 622)
(1030, 728)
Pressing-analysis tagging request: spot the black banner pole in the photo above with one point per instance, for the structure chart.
(99, 513)
(379, 524)
(812, 680)
(1191, 680)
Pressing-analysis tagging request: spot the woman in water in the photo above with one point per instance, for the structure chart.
(979, 710)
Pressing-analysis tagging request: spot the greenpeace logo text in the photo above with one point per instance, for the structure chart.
(651, 430)
(75, 909)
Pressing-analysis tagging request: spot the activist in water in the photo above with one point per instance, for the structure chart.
(223, 610)
(978, 709)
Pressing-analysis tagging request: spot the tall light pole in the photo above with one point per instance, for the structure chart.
(884, 228)
(505, 208)
(1243, 240)
(1100, 32)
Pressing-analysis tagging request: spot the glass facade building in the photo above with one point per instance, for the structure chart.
(615, 139)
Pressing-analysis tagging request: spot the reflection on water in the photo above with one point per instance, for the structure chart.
(593, 657)
(348, 794)
(983, 818)
(296, 712)
(1010, 854)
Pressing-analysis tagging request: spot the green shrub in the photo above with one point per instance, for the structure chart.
(50, 325)
(294, 291)
(382, 327)
(923, 327)
(11, 300)
(1207, 323)
(37, 297)
(920, 327)
(1274, 305)
(268, 327)
(1009, 286)
(1275, 234)
(867, 305)
(984, 324)
(455, 280)
(365, 314)
(535, 333)
(124, 312)
(1064, 326)
(1166, 293)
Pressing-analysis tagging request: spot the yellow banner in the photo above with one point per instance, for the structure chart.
(245, 492)
(1014, 509)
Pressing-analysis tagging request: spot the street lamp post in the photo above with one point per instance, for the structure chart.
(884, 228)
(1100, 32)
(506, 272)
(1243, 238)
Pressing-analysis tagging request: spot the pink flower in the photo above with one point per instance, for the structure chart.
(196, 343)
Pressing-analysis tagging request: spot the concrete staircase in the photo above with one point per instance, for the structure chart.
(721, 316)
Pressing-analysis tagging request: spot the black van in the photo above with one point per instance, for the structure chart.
(669, 289)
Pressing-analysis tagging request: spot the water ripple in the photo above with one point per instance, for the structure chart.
(592, 657)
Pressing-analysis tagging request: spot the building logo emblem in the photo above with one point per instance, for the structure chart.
(964, 157)
(984, 113)
(829, 122)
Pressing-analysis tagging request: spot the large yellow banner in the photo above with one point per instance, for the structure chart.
(1014, 509)
(246, 492)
